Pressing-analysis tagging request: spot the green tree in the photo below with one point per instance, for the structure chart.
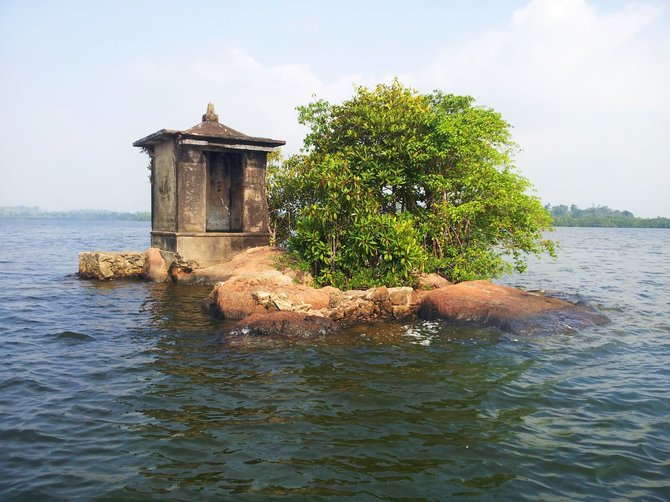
(391, 182)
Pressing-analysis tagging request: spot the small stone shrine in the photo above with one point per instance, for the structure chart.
(208, 199)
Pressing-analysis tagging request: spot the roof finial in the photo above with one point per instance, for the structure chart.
(211, 115)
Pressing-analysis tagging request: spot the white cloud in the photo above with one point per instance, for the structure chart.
(88, 155)
(586, 93)
(256, 98)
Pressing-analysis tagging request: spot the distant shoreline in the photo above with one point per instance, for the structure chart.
(563, 216)
(641, 227)
(35, 213)
(601, 217)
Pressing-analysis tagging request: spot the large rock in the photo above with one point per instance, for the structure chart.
(232, 299)
(431, 281)
(266, 291)
(106, 266)
(509, 309)
(181, 269)
(248, 263)
(155, 268)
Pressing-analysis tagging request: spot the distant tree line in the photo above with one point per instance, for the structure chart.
(24, 212)
(601, 216)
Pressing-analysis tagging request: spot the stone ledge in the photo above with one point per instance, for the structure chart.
(106, 266)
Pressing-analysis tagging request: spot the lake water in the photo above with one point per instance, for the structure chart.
(123, 391)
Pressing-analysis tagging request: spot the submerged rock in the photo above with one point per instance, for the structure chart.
(509, 309)
(285, 325)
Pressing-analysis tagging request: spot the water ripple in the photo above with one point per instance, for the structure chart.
(124, 391)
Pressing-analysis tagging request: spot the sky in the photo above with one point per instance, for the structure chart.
(584, 83)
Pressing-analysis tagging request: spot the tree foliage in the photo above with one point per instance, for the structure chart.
(392, 182)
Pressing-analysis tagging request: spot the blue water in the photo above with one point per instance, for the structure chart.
(124, 391)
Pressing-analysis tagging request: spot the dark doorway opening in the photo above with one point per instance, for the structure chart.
(224, 192)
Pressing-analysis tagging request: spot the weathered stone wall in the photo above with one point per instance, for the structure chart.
(192, 190)
(105, 266)
(216, 247)
(164, 188)
(255, 208)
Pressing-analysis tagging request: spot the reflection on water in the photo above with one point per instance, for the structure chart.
(177, 307)
(328, 420)
(128, 391)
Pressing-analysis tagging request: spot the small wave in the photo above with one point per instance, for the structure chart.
(24, 384)
(73, 335)
(422, 333)
(27, 436)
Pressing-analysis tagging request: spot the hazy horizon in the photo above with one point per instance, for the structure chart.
(583, 83)
(148, 211)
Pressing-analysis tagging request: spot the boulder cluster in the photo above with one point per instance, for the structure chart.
(268, 299)
(239, 297)
(264, 301)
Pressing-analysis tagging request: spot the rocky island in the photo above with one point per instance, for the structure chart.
(211, 223)
(269, 299)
